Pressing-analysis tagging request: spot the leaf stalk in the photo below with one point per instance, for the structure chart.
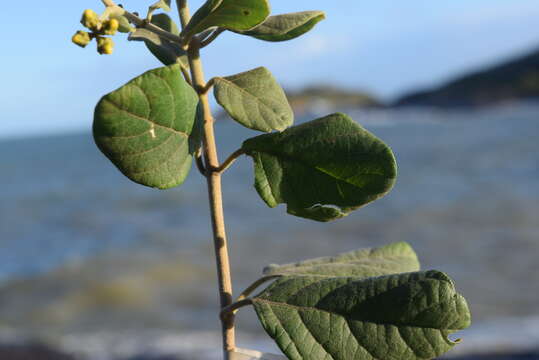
(229, 161)
(214, 35)
(232, 308)
(255, 285)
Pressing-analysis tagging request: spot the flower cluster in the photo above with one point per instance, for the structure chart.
(98, 28)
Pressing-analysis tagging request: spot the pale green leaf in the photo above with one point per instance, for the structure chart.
(286, 26)
(255, 100)
(404, 316)
(237, 15)
(168, 52)
(322, 169)
(147, 128)
(390, 259)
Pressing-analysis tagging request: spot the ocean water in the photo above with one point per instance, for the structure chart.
(85, 253)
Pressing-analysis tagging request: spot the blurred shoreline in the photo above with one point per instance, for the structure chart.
(194, 346)
(92, 262)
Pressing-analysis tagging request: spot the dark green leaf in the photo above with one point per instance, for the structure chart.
(323, 169)
(286, 26)
(237, 15)
(390, 259)
(404, 317)
(166, 51)
(147, 127)
(255, 100)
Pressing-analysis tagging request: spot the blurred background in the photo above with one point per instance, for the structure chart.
(99, 268)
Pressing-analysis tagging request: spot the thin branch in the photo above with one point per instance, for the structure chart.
(229, 161)
(255, 285)
(142, 23)
(207, 41)
(232, 308)
(200, 163)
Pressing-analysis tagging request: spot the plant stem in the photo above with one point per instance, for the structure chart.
(213, 178)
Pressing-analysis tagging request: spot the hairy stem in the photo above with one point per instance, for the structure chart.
(213, 178)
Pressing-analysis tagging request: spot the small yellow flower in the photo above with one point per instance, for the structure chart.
(81, 38)
(90, 20)
(105, 45)
(111, 26)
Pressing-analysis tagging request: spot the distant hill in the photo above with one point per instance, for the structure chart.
(330, 97)
(323, 98)
(516, 79)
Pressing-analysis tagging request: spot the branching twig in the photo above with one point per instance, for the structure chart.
(229, 161)
(142, 23)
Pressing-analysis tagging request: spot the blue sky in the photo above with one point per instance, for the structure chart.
(386, 47)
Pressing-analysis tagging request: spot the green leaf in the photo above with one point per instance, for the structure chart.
(166, 23)
(404, 317)
(237, 15)
(168, 52)
(286, 26)
(323, 169)
(364, 263)
(255, 100)
(161, 4)
(147, 127)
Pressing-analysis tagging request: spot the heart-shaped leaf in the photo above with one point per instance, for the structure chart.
(364, 263)
(166, 51)
(237, 15)
(147, 127)
(405, 316)
(286, 26)
(322, 169)
(255, 100)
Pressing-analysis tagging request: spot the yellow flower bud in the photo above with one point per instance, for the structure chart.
(111, 26)
(90, 20)
(81, 38)
(105, 45)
